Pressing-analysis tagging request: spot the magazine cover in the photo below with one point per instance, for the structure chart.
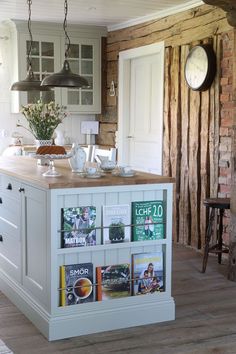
(147, 273)
(116, 221)
(76, 283)
(147, 214)
(78, 225)
(113, 281)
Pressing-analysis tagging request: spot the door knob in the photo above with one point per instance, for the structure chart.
(9, 186)
(1, 238)
(21, 189)
(0, 200)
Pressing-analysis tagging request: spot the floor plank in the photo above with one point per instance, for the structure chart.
(205, 319)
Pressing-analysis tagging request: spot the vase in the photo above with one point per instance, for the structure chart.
(78, 159)
(39, 142)
(42, 161)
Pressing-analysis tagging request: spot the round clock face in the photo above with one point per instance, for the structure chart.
(200, 67)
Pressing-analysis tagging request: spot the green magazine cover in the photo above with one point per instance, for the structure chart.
(150, 215)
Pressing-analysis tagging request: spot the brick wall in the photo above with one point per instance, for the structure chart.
(226, 122)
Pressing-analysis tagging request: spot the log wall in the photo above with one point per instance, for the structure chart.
(191, 119)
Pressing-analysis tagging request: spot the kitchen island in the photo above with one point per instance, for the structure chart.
(31, 251)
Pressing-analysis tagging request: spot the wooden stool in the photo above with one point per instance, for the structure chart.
(216, 204)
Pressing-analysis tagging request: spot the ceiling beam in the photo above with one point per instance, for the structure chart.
(229, 6)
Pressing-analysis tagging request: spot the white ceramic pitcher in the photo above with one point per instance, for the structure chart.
(78, 159)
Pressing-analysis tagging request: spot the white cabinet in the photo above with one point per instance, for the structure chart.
(48, 53)
(37, 254)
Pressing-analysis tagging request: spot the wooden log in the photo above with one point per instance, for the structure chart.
(182, 21)
(175, 136)
(232, 246)
(194, 166)
(204, 161)
(166, 115)
(184, 207)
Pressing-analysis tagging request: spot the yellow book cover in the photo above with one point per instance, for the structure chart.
(62, 286)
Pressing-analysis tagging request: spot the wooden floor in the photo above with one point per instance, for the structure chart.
(205, 319)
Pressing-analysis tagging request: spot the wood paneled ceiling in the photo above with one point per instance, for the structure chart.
(110, 13)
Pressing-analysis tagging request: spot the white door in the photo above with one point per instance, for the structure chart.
(141, 108)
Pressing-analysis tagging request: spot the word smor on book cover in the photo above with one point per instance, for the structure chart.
(147, 273)
(113, 281)
(150, 215)
(76, 284)
(78, 226)
(116, 223)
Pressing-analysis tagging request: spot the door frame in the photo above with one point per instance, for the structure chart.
(124, 92)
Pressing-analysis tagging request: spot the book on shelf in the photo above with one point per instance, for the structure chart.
(147, 273)
(116, 223)
(150, 215)
(76, 284)
(113, 281)
(78, 226)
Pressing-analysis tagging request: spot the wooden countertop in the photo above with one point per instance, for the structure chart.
(26, 169)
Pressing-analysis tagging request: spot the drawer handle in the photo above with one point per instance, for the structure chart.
(1, 238)
(9, 187)
(0, 200)
(21, 190)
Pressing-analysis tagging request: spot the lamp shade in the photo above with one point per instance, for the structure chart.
(65, 78)
(29, 84)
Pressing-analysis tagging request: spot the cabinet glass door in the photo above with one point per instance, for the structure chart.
(42, 64)
(84, 59)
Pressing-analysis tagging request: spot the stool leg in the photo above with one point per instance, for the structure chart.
(207, 240)
(220, 232)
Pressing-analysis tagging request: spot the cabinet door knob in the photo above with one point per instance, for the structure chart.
(1, 238)
(9, 186)
(0, 200)
(21, 190)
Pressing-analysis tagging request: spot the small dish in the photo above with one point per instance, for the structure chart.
(118, 173)
(131, 173)
(92, 176)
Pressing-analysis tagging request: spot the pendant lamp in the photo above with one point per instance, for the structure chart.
(65, 77)
(30, 83)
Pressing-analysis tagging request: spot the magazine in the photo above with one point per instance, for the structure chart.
(147, 273)
(78, 226)
(76, 283)
(113, 281)
(116, 223)
(150, 215)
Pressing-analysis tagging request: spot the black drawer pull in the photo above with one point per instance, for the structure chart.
(1, 238)
(21, 190)
(0, 200)
(9, 187)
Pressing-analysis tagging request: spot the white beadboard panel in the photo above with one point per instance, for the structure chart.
(124, 198)
(111, 198)
(71, 201)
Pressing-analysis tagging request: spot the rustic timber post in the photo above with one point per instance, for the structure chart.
(232, 251)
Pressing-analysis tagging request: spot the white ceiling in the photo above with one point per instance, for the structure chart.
(111, 13)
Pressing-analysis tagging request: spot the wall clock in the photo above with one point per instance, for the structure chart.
(200, 67)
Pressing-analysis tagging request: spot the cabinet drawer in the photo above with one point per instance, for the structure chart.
(10, 187)
(10, 257)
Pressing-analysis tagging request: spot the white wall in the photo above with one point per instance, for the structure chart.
(8, 120)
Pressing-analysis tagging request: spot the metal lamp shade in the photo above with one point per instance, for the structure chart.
(65, 78)
(29, 84)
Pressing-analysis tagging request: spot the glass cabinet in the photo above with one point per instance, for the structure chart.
(48, 54)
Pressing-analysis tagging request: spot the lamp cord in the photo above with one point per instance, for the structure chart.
(67, 39)
(31, 37)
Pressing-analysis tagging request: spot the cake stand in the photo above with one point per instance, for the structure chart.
(52, 172)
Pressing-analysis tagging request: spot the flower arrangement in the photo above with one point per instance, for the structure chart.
(43, 118)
